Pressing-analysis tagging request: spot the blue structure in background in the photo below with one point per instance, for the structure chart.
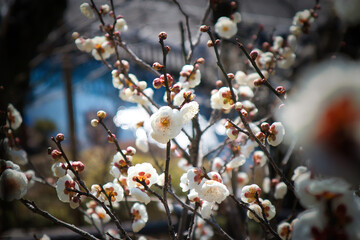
(92, 90)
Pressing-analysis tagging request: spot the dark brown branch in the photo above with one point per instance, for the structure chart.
(34, 208)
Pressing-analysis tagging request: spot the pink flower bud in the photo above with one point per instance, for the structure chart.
(265, 127)
(56, 154)
(60, 137)
(254, 54)
(112, 138)
(78, 166)
(204, 28)
(162, 35)
(101, 114)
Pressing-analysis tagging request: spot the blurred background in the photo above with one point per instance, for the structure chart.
(59, 89)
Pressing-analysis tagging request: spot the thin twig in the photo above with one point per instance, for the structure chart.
(34, 208)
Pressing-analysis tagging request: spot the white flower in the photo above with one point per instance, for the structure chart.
(188, 111)
(140, 195)
(188, 77)
(269, 210)
(298, 171)
(202, 230)
(266, 185)
(14, 117)
(84, 45)
(259, 158)
(86, 10)
(280, 190)
(237, 161)
(143, 172)
(98, 215)
(222, 99)
(248, 193)
(193, 196)
(213, 191)
(278, 43)
(194, 176)
(58, 169)
(161, 180)
(119, 164)
(287, 58)
(249, 107)
(121, 25)
(225, 27)
(217, 164)
(246, 92)
(284, 230)
(184, 183)
(277, 132)
(308, 222)
(141, 141)
(13, 184)
(166, 124)
(236, 17)
(114, 192)
(265, 60)
(64, 187)
(206, 208)
(140, 216)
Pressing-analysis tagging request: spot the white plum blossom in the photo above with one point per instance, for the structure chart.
(259, 158)
(193, 196)
(86, 10)
(280, 190)
(58, 169)
(242, 178)
(140, 217)
(114, 192)
(206, 209)
(121, 25)
(143, 172)
(266, 184)
(64, 187)
(298, 171)
(213, 191)
(277, 132)
(202, 230)
(248, 193)
(161, 180)
(225, 27)
(184, 182)
(217, 164)
(140, 195)
(246, 92)
(188, 111)
(195, 176)
(166, 124)
(85, 45)
(97, 215)
(14, 118)
(189, 78)
(284, 230)
(269, 210)
(222, 99)
(13, 183)
(237, 161)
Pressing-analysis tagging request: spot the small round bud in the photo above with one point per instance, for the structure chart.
(60, 137)
(280, 90)
(210, 43)
(189, 96)
(157, 66)
(204, 28)
(244, 112)
(219, 83)
(94, 122)
(111, 13)
(217, 41)
(112, 138)
(157, 83)
(176, 88)
(56, 154)
(78, 166)
(162, 35)
(260, 136)
(200, 60)
(75, 35)
(231, 76)
(265, 46)
(254, 54)
(167, 48)
(142, 85)
(259, 82)
(101, 114)
(238, 106)
(265, 127)
(130, 151)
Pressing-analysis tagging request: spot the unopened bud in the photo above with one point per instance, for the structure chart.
(157, 66)
(94, 122)
(280, 90)
(219, 83)
(162, 35)
(112, 138)
(130, 151)
(260, 136)
(200, 60)
(56, 154)
(259, 82)
(254, 54)
(204, 28)
(231, 76)
(101, 114)
(244, 112)
(176, 88)
(157, 83)
(167, 48)
(60, 137)
(274, 182)
(75, 35)
(238, 106)
(78, 166)
(217, 41)
(265, 127)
